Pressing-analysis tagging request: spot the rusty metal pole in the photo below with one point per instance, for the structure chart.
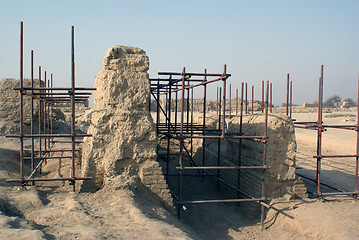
(217, 102)
(169, 129)
(32, 112)
(192, 122)
(290, 102)
(230, 101)
(246, 101)
(187, 111)
(264, 152)
(176, 111)
(270, 94)
(357, 146)
(39, 119)
(149, 98)
(236, 101)
(204, 119)
(21, 100)
(219, 132)
(158, 111)
(252, 98)
(240, 141)
(286, 111)
(181, 147)
(51, 109)
(44, 116)
(262, 96)
(224, 100)
(48, 113)
(319, 131)
(166, 110)
(73, 136)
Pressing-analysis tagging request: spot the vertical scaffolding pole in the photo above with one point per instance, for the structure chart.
(204, 119)
(223, 121)
(187, 111)
(21, 100)
(176, 111)
(252, 99)
(262, 97)
(179, 205)
(237, 102)
(230, 101)
(246, 102)
(166, 109)
(158, 111)
(169, 129)
(219, 139)
(290, 102)
(192, 122)
(270, 101)
(32, 112)
(287, 101)
(39, 125)
(44, 116)
(217, 103)
(224, 100)
(264, 152)
(72, 95)
(357, 145)
(48, 115)
(240, 142)
(319, 131)
(51, 108)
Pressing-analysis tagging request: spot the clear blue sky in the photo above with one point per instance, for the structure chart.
(258, 40)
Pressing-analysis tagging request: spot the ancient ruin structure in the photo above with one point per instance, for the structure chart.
(123, 143)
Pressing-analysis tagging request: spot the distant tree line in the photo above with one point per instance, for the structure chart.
(335, 102)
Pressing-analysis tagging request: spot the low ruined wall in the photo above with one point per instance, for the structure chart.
(281, 150)
(10, 106)
(123, 143)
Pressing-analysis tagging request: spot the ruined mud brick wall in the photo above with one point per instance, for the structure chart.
(281, 151)
(10, 106)
(123, 143)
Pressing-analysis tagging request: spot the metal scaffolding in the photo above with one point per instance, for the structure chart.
(320, 127)
(179, 126)
(43, 142)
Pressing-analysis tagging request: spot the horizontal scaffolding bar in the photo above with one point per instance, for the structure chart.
(223, 167)
(224, 201)
(48, 179)
(47, 135)
(336, 156)
(55, 89)
(339, 193)
(52, 157)
(195, 74)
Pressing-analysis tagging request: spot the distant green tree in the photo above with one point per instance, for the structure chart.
(333, 102)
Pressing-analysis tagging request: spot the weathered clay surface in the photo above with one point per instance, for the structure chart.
(10, 106)
(123, 141)
(281, 179)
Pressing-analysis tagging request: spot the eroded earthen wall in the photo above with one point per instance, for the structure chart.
(123, 143)
(281, 151)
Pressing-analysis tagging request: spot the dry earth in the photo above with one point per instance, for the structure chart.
(51, 211)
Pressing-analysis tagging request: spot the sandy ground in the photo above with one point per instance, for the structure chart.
(51, 211)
